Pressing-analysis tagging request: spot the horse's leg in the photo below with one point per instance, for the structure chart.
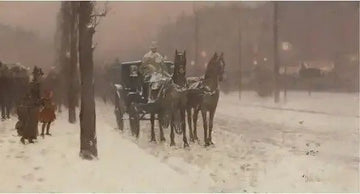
(195, 118)
(152, 120)
(3, 109)
(172, 135)
(188, 112)
(162, 138)
(211, 120)
(183, 126)
(203, 113)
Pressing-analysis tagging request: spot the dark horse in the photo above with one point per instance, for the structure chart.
(165, 106)
(203, 95)
(171, 102)
(309, 74)
(180, 100)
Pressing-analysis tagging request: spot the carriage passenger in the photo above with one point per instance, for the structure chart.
(152, 69)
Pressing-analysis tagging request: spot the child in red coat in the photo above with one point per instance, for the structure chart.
(47, 113)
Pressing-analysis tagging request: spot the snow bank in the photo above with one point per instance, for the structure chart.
(53, 164)
(309, 144)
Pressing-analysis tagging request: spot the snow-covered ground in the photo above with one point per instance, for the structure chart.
(308, 144)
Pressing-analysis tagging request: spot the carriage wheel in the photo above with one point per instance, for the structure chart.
(134, 120)
(119, 112)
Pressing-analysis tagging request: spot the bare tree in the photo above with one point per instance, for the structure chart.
(68, 55)
(276, 55)
(72, 66)
(88, 20)
(64, 59)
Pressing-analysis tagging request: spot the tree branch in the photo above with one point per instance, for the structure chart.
(96, 16)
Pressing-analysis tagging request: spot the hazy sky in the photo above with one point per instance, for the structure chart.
(128, 24)
(35, 16)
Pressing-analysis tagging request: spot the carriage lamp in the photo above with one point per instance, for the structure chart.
(203, 54)
(133, 71)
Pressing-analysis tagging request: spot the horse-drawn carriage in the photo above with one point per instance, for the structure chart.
(168, 96)
(130, 93)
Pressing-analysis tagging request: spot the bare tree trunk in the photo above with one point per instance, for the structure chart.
(196, 38)
(240, 57)
(276, 55)
(88, 147)
(64, 47)
(72, 73)
(285, 82)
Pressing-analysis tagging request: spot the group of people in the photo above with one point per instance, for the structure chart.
(13, 82)
(32, 105)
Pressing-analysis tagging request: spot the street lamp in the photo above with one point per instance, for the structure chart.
(286, 47)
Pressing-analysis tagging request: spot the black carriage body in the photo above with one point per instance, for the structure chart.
(128, 76)
(128, 83)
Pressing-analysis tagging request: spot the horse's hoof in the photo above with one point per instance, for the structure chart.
(162, 139)
(207, 144)
(186, 145)
(192, 139)
(172, 144)
(152, 140)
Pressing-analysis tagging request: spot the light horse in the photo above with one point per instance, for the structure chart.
(203, 95)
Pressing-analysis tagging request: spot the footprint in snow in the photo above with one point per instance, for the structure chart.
(43, 152)
(28, 177)
(313, 143)
(312, 152)
(37, 168)
(40, 179)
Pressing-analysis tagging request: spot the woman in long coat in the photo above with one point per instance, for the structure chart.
(30, 110)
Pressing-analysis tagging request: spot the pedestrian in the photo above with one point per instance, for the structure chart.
(31, 106)
(47, 112)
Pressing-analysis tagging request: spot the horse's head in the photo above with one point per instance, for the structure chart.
(221, 66)
(216, 67)
(180, 65)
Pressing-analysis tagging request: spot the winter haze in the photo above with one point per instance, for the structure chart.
(281, 80)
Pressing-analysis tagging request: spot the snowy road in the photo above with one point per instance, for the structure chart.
(309, 144)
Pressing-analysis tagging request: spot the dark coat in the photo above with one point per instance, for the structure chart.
(28, 112)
